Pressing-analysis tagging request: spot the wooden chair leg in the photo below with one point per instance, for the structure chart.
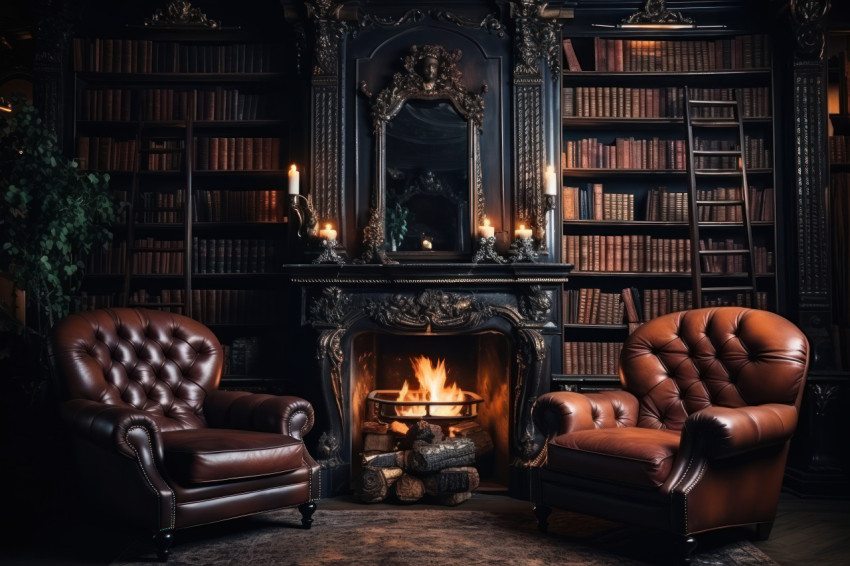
(686, 549)
(542, 513)
(307, 510)
(162, 540)
(763, 530)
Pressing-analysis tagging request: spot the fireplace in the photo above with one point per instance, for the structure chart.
(361, 325)
(478, 373)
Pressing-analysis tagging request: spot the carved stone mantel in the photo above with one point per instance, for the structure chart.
(339, 302)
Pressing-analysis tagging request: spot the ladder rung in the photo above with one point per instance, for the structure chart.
(157, 304)
(724, 252)
(720, 202)
(724, 289)
(719, 173)
(713, 102)
(713, 123)
(732, 152)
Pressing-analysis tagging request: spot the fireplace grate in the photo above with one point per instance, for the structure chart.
(386, 402)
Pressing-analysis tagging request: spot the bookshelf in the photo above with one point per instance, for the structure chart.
(195, 123)
(624, 199)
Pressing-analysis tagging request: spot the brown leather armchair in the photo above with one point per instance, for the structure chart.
(698, 437)
(156, 443)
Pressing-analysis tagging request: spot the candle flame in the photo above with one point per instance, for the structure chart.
(293, 169)
(522, 226)
(327, 226)
(486, 221)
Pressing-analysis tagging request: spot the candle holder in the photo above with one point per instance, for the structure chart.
(487, 251)
(329, 254)
(522, 250)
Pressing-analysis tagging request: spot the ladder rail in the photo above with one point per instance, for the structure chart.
(696, 263)
(745, 189)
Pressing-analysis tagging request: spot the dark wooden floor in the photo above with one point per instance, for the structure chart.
(807, 531)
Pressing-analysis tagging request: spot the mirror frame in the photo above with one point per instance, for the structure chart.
(411, 85)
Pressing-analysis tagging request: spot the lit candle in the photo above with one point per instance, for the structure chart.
(522, 232)
(327, 233)
(485, 230)
(293, 180)
(427, 245)
(550, 181)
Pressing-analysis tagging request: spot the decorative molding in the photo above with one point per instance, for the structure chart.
(411, 84)
(332, 308)
(822, 395)
(428, 310)
(656, 12)
(808, 18)
(373, 239)
(327, 451)
(536, 39)
(535, 305)
(367, 21)
(491, 22)
(181, 13)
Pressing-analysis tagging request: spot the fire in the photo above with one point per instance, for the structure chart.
(432, 387)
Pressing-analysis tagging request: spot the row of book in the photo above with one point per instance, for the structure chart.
(760, 201)
(838, 149)
(658, 302)
(110, 104)
(592, 306)
(242, 356)
(628, 55)
(589, 202)
(734, 263)
(237, 154)
(624, 153)
(226, 255)
(106, 154)
(104, 55)
(228, 306)
(755, 150)
(239, 206)
(592, 358)
(147, 258)
(161, 207)
(641, 253)
(628, 102)
(172, 300)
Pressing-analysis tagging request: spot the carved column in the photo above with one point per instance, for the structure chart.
(811, 177)
(535, 40)
(327, 151)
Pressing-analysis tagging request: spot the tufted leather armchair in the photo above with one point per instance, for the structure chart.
(698, 437)
(156, 443)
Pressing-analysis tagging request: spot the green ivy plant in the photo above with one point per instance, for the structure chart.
(51, 215)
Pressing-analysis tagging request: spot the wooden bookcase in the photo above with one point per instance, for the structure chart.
(624, 200)
(206, 234)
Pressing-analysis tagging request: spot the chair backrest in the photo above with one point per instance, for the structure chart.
(682, 362)
(156, 361)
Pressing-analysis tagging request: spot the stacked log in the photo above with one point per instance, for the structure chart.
(422, 462)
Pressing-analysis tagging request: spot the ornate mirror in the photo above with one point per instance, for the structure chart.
(427, 196)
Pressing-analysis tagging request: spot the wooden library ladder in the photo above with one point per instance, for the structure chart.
(695, 175)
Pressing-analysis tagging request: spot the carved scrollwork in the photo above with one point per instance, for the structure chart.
(181, 13)
(808, 18)
(536, 39)
(430, 309)
(822, 395)
(327, 451)
(373, 240)
(330, 31)
(656, 12)
(490, 23)
(366, 21)
(448, 83)
(331, 308)
(536, 305)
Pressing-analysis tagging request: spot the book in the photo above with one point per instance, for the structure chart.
(570, 56)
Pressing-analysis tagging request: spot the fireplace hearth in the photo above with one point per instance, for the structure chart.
(491, 325)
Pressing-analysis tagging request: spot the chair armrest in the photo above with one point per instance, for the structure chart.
(561, 412)
(288, 415)
(112, 427)
(723, 431)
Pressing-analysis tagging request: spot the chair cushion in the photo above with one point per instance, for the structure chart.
(206, 455)
(632, 455)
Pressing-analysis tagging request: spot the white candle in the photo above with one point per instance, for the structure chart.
(522, 232)
(550, 181)
(427, 245)
(293, 180)
(485, 230)
(327, 233)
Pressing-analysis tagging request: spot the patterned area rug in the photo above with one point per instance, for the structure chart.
(426, 537)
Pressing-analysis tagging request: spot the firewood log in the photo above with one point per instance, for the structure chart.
(385, 459)
(375, 427)
(380, 442)
(427, 458)
(451, 480)
(476, 433)
(409, 489)
(421, 430)
(454, 498)
(375, 483)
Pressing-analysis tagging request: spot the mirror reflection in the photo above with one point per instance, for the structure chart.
(427, 178)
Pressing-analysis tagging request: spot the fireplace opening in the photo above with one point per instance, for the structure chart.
(460, 382)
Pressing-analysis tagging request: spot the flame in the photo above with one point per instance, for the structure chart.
(432, 387)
